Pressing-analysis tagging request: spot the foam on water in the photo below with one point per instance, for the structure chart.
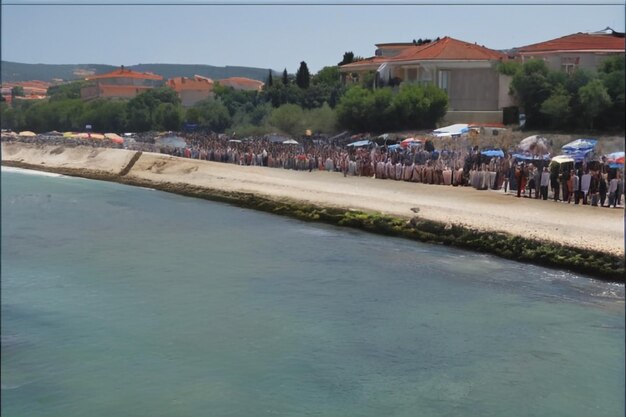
(30, 172)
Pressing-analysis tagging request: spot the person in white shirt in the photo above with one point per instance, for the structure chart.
(585, 182)
(613, 185)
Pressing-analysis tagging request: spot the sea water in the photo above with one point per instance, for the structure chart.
(123, 301)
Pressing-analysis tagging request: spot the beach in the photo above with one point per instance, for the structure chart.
(584, 227)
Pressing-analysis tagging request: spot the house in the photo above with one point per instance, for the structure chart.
(121, 83)
(242, 83)
(191, 90)
(477, 93)
(579, 50)
(33, 90)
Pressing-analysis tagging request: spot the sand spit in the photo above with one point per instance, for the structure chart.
(586, 228)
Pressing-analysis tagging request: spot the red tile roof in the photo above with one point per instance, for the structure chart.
(125, 73)
(448, 49)
(444, 49)
(578, 42)
(184, 83)
(367, 61)
(242, 83)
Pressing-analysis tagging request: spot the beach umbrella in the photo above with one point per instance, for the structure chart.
(68, 134)
(360, 143)
(563, 159)
(97, 136)
(53, 133)
(452, 130)
(615, 160)
(493, 153)
(529, 157)
(535, 144)
(290, 142)
(27, 134)
(411, 142)
(112, 136)
(579, 145)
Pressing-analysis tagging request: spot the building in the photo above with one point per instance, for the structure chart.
(119, 84)
(477, 93)
(191, 90)
(579, 50)
(242, 83)
(33, 90)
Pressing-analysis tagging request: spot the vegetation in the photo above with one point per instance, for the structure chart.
(582, 100)
(413, 106)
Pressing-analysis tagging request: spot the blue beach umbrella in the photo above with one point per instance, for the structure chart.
(579, 145)
(493, 153)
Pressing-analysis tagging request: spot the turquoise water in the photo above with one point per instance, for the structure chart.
(128, 301)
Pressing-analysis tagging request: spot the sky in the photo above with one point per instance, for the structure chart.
(273, 35)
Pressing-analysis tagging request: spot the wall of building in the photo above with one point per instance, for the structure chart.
(473, 89)
(504, 86)
(190, 97)
(479, 117)
(583, 60)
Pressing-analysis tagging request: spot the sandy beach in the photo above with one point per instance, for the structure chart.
(579, 226)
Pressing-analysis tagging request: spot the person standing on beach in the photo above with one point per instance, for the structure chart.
(613, 186)
(603, 189)
(585, 182)
(545, 181)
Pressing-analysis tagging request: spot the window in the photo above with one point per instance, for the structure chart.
(444, 80)
(568, 68)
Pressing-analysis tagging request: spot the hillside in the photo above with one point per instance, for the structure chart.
(15, 71)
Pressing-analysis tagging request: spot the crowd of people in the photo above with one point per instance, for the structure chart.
(585, 183)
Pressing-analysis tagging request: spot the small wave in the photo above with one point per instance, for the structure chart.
(30, 172)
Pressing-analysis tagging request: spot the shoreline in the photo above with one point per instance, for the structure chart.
(444, 215)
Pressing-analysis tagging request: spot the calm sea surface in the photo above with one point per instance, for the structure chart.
(121, 301)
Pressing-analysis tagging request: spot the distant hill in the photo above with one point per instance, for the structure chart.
(15, 71)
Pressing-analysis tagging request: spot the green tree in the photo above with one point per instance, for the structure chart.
(322, 119)
(66, 91)
(557, 107)
(352, 109)
(532, 87)
(17, 91)
(611, 72)
(168, 116)
(288, 118)
(329, 76)
(270, 79)
(213, 115)
(303, 76)
(594, 99)
(285, 77)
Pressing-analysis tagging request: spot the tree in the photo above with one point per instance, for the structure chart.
(329, 76)
(270, 79)
(557, 107)
(213, 115)
(17, 91)
(532, 88)
(594, 99)
(303, 77)
(285, 77)
(168, 116)
(288, 118)
(348, 57)
(65, 91)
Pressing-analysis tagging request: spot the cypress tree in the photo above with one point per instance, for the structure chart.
(285, 77)
(270, 80)
(303, 77)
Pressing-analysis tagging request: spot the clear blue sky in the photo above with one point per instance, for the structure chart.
(274, 37)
